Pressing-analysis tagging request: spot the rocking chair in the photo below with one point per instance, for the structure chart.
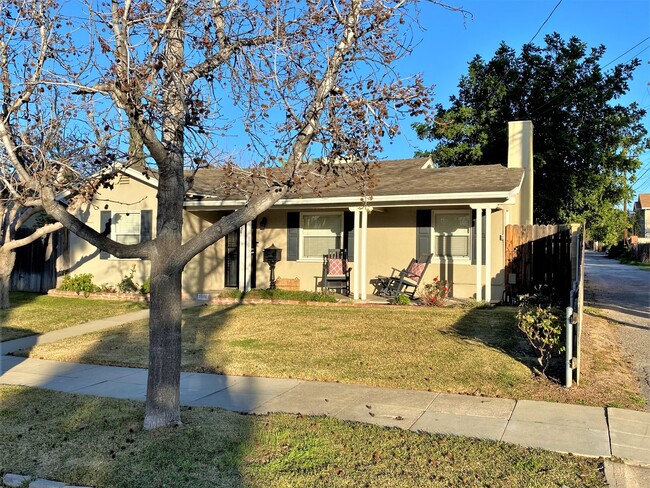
(404, 281)
(336, 273)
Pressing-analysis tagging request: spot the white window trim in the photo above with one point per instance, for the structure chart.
(301, 257)
(451, 259)
(114, 235)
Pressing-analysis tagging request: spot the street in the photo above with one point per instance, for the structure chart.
(622, 292)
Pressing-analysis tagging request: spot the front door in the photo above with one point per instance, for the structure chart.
(253, 253)
(232, 260)
(235, 247)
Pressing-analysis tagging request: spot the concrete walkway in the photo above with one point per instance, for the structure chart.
(582, 430)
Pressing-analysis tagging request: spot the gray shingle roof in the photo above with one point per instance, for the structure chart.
(397, 177)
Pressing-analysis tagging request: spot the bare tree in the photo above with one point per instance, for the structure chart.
(14, 216)
(304, 80)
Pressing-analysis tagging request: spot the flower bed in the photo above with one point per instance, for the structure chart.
(101, 295)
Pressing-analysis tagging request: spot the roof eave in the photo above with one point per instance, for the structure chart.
(406, 200)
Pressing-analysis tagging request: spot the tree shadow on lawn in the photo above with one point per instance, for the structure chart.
(496, 328)
(16, 299)
(105, 460)
(99, 442)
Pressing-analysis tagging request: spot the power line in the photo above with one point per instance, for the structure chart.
(619, 57)
(506, 72)
(637, 189)
(639, 179)
(544, 23)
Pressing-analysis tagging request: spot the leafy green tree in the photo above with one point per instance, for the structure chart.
(586, 145)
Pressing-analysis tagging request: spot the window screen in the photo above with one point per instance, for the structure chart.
(320, 232)
(452, 234)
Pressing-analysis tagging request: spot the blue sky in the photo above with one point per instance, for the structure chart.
(449, 44)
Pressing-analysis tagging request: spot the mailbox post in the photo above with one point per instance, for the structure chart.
(271, 256)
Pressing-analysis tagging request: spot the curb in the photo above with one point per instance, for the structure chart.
(11, 480)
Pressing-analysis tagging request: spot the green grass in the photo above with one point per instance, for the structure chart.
(638, 264)
(99, 442)
(31, 313)
(471, 351)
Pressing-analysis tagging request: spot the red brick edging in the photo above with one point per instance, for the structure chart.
(255, 301)
(138, 297)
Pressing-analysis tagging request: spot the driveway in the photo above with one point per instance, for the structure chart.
(622, 292)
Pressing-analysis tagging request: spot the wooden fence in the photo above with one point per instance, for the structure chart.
(550, 256)
(35, 267)
(536, 256)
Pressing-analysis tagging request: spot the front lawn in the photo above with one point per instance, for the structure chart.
(31, 313)
(454, 350)
(99, 442)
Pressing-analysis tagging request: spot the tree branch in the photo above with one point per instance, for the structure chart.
(38, 233)
(142, 250)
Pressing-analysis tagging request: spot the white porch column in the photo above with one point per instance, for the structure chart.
(479, 252)
(357, 254)
(364, 251)
(245, 258)
(488, 255)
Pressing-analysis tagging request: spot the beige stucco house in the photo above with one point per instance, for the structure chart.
(458, 214)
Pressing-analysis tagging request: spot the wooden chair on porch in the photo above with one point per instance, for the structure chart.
(336, 273)
(403, 281)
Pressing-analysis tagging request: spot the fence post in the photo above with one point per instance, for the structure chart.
(581, 299)
(568, 356)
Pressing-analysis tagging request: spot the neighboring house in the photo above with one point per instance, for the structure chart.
(459, 214)
(642, 212)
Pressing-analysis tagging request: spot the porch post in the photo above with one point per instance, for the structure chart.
(245, 261)
(248, 249)
(357, 255)
(488, 254)
(364, 250)
(479, 252)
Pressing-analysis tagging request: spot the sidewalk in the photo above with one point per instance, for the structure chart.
(582, 430)
(587, 431)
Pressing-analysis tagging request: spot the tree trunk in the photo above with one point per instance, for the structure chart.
(7, 261)
(163, 383)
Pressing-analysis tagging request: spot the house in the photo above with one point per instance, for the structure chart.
(642, 214)
(458, 214)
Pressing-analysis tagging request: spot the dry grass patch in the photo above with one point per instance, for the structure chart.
(31, 313)
(476, 352)
(607, 376)
(99, 442)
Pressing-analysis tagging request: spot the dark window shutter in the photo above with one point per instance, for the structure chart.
(348, 234)
(472, 237)
(104, 229)
(423, 233)
(146, 219)
(293, 235)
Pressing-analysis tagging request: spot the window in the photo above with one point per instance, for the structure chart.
(126, 227)
(451, 234)
(319, 233)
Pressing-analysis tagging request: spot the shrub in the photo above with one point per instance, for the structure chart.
(543, 325)
(127, 284)
(145, 289)
(436, 293)
(401, 300)
(81, 283)
(475, 304)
